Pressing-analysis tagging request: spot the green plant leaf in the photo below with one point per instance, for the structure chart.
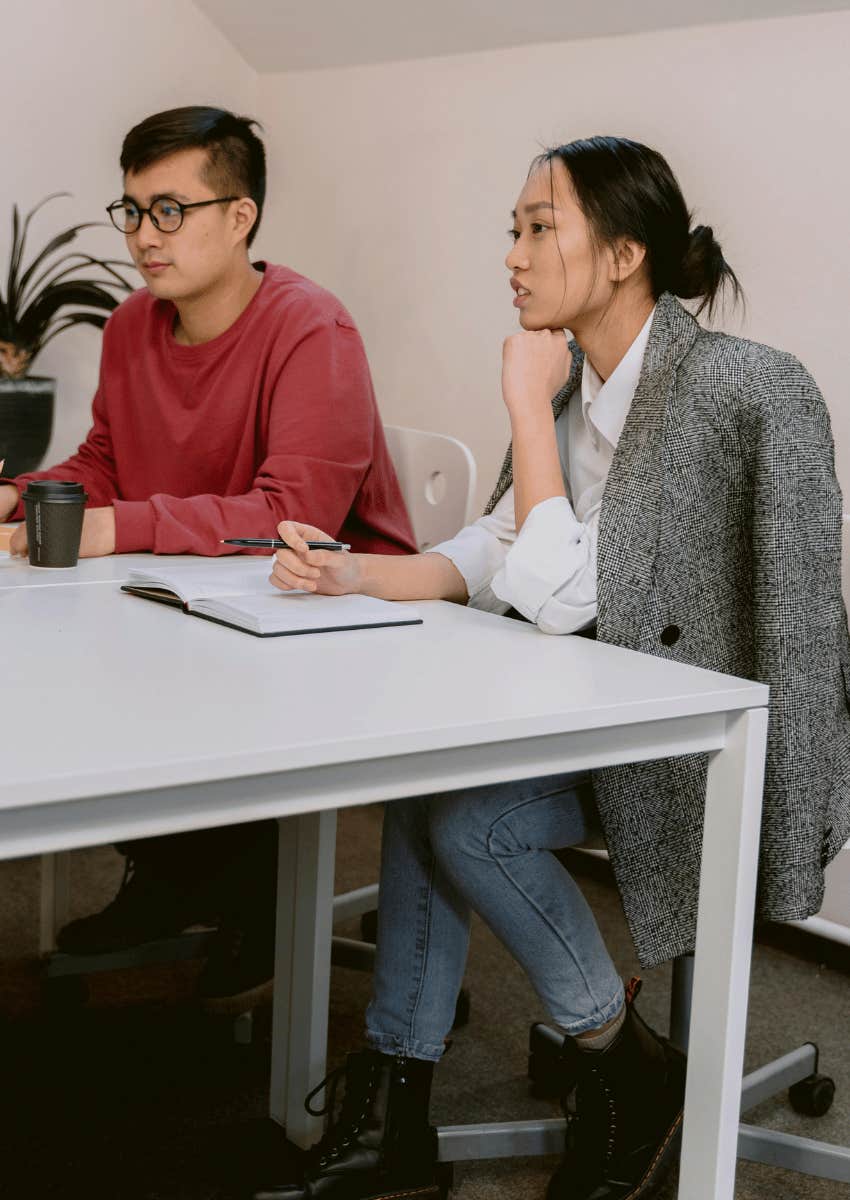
(14, 259)
(33, 322)
(56, 243)
(37, 299)
(60, 324)
(52, 275)
(20, 255)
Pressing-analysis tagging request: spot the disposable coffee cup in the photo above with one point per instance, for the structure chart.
(54, 509)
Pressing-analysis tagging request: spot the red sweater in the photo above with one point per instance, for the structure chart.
(275, 418)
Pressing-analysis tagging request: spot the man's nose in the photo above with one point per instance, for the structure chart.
(147, 234)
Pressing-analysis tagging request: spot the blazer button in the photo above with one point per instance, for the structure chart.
(670, 635)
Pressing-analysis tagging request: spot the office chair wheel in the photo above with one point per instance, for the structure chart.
(813, 1095)
(369, 926)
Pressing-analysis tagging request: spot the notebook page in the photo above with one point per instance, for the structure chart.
(301, 612)
(212, 577)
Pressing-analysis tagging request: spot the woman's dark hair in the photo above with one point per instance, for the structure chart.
(236, 158)
(627, 190)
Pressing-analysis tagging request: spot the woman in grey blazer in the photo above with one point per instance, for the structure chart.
(679, 491)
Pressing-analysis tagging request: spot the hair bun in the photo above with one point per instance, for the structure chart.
(703, 265)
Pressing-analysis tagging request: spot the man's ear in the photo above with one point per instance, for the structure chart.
(626, 257)
(244, 217)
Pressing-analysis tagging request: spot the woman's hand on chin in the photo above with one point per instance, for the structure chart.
(535, 365)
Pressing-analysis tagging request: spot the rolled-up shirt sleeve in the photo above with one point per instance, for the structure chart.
(479, 551)
(549, 573)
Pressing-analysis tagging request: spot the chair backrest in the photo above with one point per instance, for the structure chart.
(437, 478)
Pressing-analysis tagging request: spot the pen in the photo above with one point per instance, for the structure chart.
(277, 544)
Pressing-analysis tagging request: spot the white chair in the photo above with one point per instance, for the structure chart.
(437, 477)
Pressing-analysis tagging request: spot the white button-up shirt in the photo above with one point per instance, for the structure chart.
(547, 572)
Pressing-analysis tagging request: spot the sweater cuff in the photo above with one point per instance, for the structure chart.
(134, 525)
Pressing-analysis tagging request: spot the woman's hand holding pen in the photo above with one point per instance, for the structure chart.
(535, 365)
(330, 573)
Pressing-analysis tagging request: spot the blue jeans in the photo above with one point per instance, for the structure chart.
(488, 849)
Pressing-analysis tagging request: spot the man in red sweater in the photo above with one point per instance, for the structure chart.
(232, 395)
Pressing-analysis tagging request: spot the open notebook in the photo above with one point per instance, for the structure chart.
(237, 592)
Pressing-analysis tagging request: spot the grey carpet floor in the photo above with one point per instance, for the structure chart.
(138, 1096)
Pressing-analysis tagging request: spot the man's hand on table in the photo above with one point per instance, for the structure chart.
(98, 538)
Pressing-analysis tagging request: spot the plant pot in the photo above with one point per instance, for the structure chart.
(26, 422)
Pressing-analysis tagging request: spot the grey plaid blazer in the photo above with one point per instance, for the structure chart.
(721, 518)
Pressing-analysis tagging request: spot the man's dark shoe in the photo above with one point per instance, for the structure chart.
(624, 1135)
(380, 1146)
(238, 975)
(145, 908)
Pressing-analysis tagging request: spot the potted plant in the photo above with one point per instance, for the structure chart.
(42, 299)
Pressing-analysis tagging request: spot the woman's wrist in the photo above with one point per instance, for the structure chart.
(532, 411)
(358, 580)
(381, 575)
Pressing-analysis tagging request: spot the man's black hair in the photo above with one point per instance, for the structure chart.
(236, 158)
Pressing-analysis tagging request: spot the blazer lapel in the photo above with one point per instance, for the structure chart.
(631, 504)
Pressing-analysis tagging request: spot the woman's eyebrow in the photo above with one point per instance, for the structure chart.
(538, 204)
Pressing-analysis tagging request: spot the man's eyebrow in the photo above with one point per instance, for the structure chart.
(179, 196)
(538, 204)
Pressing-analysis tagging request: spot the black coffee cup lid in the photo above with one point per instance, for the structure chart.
(53, 490)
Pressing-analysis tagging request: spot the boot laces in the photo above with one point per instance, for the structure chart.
(592, 1128)
(343, 1127)
(606, 1096)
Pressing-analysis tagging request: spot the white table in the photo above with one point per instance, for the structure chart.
(132, 720)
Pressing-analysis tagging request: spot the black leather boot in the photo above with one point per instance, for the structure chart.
(380, 1145)
(147, 906)
(623, 1137)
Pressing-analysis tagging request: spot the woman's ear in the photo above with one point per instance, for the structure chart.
(627, 257)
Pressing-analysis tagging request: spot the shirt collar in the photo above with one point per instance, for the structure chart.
(605, 406)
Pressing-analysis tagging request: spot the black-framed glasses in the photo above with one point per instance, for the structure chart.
(165, 212)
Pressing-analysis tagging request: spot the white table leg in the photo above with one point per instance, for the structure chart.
(302, 969)
(54, 898)
(287, 860)
(722, 963)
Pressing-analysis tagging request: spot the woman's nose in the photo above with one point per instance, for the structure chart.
(516, 259)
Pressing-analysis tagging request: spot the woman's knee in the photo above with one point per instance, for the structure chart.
(458, 827)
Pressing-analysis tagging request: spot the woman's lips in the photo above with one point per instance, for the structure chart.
(154, 268)
(522, 295)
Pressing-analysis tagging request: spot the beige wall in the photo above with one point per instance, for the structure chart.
(73, 79)
(392, 185)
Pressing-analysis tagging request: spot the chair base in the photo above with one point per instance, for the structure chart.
(173, 949)
(797, 1071)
